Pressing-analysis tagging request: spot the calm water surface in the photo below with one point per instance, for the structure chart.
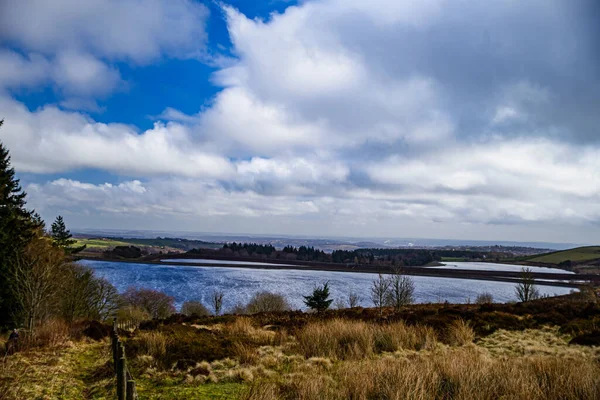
(239, 284)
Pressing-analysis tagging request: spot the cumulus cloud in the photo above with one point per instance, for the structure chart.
(51, 140)
(348, 113)
(116, 29)
(73, 45)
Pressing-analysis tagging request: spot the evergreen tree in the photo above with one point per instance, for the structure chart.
(319, 300)
(61, 237)
(17, 227)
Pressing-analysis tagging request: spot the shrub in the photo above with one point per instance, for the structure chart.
(194, 308)
(156, 304)
(484, 298)
(129, 313)
(267, 302)
(52, 333)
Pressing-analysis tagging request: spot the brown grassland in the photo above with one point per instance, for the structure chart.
(435, 351)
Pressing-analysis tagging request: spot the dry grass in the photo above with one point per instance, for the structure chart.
(457, 373)
(546, 341)
(242, 329)
(154, 344)
(53, 333)
(352, 340)
(63, 372)
(460, 333)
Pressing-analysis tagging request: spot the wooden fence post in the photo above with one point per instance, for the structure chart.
(114, 339)
(125, 384)
(131, 392)
(121, 379)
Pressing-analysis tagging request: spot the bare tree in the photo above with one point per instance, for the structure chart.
(104, 301)
(77, 292)
(526, 289)
(34, 280)
(380, 292)
(353, 300)
(401, 290)
(339, 304)
(216, 299)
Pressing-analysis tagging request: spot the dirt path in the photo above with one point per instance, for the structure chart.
(74, 371)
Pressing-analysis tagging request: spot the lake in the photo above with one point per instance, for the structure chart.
(240, 284)
(480, 266)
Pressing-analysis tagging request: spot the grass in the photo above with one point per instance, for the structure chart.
(73, 371)
(176, 390)
(181, 244)
(578, 254)
(444, 373)
(100, 243)
(431, 352)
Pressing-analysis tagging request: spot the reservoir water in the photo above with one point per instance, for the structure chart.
(240, 284)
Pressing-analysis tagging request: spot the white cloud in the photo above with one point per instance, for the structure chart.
(346, 113)
(50, 140)
(116, 29)
(83, 75)
(18, 71)
(71, 44)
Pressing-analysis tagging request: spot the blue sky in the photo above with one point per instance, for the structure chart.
(457, 119)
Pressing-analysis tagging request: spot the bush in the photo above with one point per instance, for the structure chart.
(267, 302)
(194, 308)
(484, 298)
(155, 303)
(133, 314)
(124, 252)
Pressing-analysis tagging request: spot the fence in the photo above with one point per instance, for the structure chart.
(125, 383)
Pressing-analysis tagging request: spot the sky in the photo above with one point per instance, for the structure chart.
(388, 118)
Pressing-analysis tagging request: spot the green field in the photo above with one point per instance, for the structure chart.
(100, 243)
(182, 244)
(578, 254)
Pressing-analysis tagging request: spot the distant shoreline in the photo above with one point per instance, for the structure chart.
(496, 276)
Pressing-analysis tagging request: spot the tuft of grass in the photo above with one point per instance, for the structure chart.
(345, 340)
(154, 344)
(460, 333)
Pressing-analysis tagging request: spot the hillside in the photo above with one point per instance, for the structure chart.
(576, 256)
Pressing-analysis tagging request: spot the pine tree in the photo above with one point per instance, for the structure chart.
(17, 227)
(319, 300)
(61, 237)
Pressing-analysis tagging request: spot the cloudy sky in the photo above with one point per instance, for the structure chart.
(433, 118)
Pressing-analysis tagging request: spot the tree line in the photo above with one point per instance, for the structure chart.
(370, 256)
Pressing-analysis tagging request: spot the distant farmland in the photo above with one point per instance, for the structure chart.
(158, 243)
(578, 255)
